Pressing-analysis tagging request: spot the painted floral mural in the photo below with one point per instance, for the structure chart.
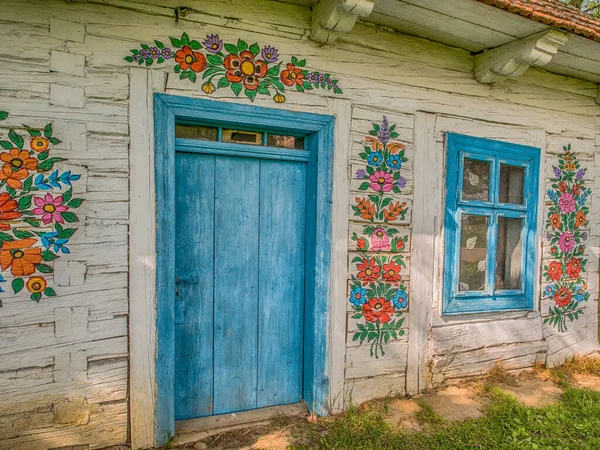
(566, 225)
(377, 292)
(36, 209)
(381, 175)
(241, 67)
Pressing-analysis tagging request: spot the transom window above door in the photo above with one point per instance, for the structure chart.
(490, 225)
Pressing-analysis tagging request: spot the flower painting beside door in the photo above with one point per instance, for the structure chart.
(36, 209)
(241, 67)
(378, 294)
(566, 232)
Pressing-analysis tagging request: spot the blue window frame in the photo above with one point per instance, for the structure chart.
(490, 225)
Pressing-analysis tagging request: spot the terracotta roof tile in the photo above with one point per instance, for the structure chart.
(553, 13)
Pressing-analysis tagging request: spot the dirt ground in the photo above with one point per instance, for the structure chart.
(452, 403)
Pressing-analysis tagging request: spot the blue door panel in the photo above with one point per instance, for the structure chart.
(194, 228)
(236, 283)
(281, 274)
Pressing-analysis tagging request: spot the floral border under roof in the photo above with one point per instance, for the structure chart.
(239, 67)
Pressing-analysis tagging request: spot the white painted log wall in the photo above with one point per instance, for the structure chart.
(63, 63)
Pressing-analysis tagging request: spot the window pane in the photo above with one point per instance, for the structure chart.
(473, 253)
(509, 253)
(476, 180)
(242, 137)
(292, 142)
(196, 132)
(511, 184)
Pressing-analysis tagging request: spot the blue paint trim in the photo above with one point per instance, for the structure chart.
(247, 151)
(319, 130)
(459, 146)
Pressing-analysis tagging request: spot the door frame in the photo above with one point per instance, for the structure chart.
(168, 110)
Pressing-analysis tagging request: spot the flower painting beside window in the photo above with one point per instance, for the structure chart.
(378, 294)
(566, 227)
(36, 203)
(240, 67)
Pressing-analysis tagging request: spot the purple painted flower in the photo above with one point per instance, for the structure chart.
(155, 52)
(401, 182)
(167, 53)
(361, 173)
(557, 172)
(548, 236)
(135, 58)
(269, 54)
(320, 78)
(144, 53)
(212, 43)
(329, 81)
(580, 174)
(384, 131)
(566, 242)
(584, 236)
(312, 77)
(567, 202)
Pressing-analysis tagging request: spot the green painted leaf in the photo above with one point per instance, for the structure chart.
(17, 285)
(66, 233)
(215, 59)
(69, 217)
(185, 39)
(36, 296)
(195, 45)
(232, 49)
(175, 42)
(254, 49)
(192, 76)
(16, 139)
(3, 115)
(44, 268)
(263, 90)
(250, 93)
(274, 71)
(294, 61)
(49, 292)
(47, 255)
(242, 45)
(22, 234)
(223, 82)
(25, 202)
(236, 88)
(6, 145)
(43, 155)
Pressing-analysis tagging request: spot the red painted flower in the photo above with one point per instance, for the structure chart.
(573, 268)
(189, 59)
(562, 297)
(555, 270)
(292, 75)
(243, 69)
(8, 210)
(576, 189)
(378, 309)
(361, 243)
(391, 272)
(368, 270)
(562, 186)
(580, 219)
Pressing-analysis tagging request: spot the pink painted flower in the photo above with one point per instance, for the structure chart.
(380, 240)
(567, 203)
(566, 242)
(50, 208)
(381, 181)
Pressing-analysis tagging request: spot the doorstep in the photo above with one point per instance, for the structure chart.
(192, 430)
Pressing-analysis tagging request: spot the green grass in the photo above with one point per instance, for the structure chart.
(573, 423)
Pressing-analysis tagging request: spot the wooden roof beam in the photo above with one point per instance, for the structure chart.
(513, 59)
(332, 18)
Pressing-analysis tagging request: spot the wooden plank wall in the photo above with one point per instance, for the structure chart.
(63, 62)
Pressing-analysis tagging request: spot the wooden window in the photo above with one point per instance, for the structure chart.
(490, 225)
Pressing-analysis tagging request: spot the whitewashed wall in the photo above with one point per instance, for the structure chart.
(63, 63)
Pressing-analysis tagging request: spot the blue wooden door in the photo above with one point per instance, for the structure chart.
(240, 263)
